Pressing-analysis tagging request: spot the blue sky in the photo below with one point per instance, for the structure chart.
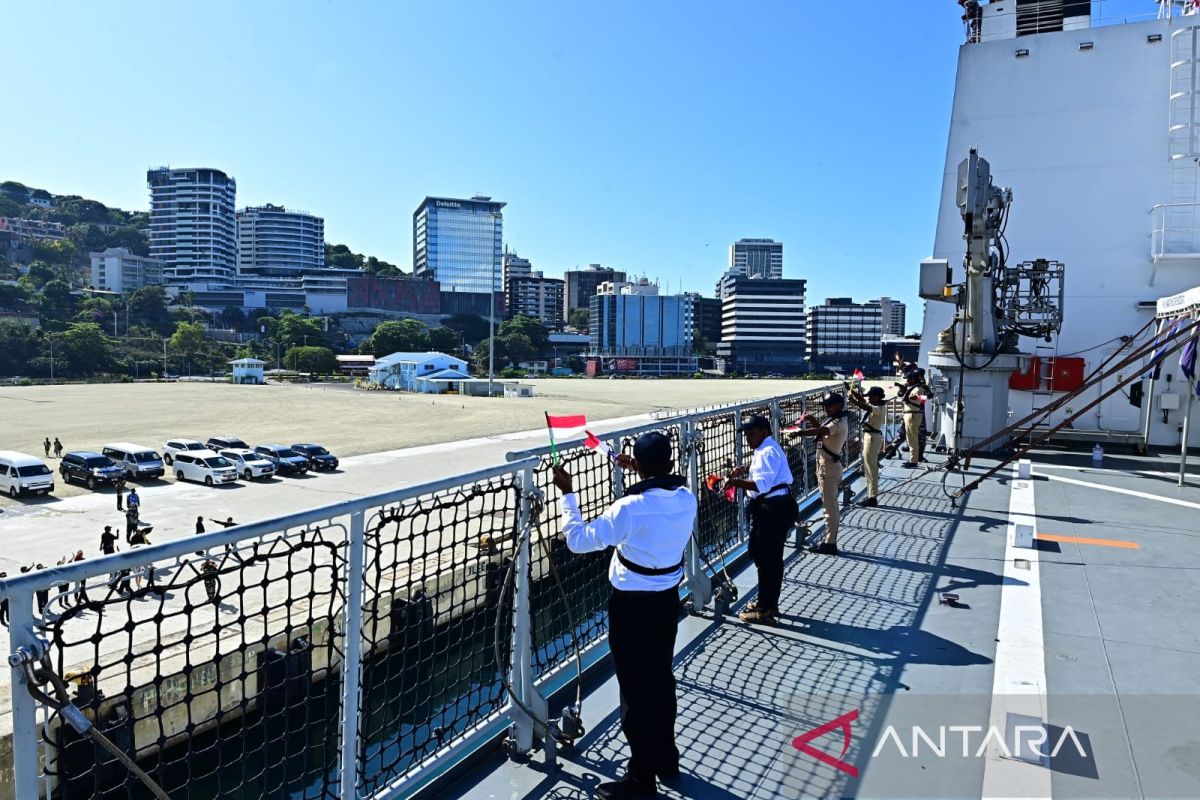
(646, 136)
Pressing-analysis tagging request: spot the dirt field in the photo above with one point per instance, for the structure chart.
(346, 420)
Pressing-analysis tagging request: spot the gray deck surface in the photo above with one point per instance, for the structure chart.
(865, 632)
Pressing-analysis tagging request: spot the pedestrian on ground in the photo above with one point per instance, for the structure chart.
(46, 444)
(225, 523)
(134, 500)
(42, 596)
(4, 605)
(63, 588)
(767, 481)
(121, 494)
(108, 541)
(199, 525)
(648, 529)
(58, 448)
(83, 598)
(873, 407)
(131, 523)
(831, 438)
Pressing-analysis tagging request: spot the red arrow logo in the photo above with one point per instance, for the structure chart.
(801, 743)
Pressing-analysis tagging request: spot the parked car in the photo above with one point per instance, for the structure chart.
(24, 474)
(249, 464)
(286, 460)
(225, 442)
(204, 465)
(177, 446)
(318, 457)
(89, 468)
(137, 461)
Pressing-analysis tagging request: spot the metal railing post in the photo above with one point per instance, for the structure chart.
(776, 419)
(352, 664)
(737, 460)
(521, 663)
(618, 474)
(699, 580)
(24, 707)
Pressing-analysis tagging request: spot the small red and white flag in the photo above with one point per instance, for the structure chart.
(594, 442)
(858, 375)
(564, 427)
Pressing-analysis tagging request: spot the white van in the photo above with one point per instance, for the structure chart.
(24, 474)
(204, 465)
(137, 460)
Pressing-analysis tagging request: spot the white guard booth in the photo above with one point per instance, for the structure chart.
(1185, 305)
(247, 370)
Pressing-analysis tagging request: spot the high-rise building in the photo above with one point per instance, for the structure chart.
(582, 285)
(845, 334)
(513, 266)
(535, 296)
(706, 318)
(118, 270)
(758, 258)
(275, 241)
(892, 315)
(193, 228)
(460, 243)
(762, 324)
(640, 332)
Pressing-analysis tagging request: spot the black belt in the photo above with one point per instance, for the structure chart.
(831, 454)
(774, 488)
(633, 566)
(870, 429)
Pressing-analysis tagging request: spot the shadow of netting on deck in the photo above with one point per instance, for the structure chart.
(744, 694)
(434, 568)
(211, 670)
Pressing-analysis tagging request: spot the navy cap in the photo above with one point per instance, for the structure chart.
(831, 398)
(875, 391)
(754, 422)
(652, 448)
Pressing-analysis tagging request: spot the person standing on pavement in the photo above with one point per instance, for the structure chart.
(58, 448)
(767, 481)
(134, 500)
(873, 406)
(4, 606)
(83, 598)
(831, 438)
(648, 529)
(121, 494)
(46, 444)
(108, 541)
(131, 522)
(199, 525)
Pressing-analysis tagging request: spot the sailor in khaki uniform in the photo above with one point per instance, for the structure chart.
(873, 407)
(831, 438)
(914, 412)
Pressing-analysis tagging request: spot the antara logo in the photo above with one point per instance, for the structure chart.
(801, 743)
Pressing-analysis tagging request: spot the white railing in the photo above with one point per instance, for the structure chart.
(186, 650)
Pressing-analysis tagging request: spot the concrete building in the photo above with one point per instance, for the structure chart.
(640, 333)
(428, 373)
(844, 335)
(758, 258)
(581, 285)
(273, 240)
(366, 292)
(247, 370)
(193, 227)
(118, 270)
(762, 325)
(706, 319)
(513, 266)
(536, 296)
(892, 315)
(32, 228)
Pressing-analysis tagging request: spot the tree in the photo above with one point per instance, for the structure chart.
(315, 360)
(95, 309)
(82, 349)
(40, 273)
(56, 302)
(13, 296)
(511, 349)
(580, 319)
(188, 338)
(18, 348)
(233, 317)
(342, 257)
(444, 340)
(132, 239)
(533, 329)
(382, 268)
(473, 327)
(59, 252)
(293, 330)
(402, 336)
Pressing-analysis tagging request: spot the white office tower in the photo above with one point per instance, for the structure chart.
(193, 227)
(273, 240)
(1096, 129)
(892, 315)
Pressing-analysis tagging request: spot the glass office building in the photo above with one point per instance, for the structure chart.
(459, 243)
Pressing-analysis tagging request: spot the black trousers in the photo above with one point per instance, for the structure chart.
(770, 520)
(641, 635)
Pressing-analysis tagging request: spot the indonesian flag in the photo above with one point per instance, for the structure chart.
(563, 427)
(593, 442)
(858, 375)
(798, 424)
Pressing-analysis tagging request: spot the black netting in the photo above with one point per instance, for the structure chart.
(801, 451)
(213, 671)
(435, 566)
(719, 448)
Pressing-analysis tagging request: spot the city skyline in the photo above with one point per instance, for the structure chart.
(596, 164)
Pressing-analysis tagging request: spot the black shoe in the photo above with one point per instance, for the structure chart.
(626, 787)
(669, 775)
(824, 549)
(870, 502)
(909, 465)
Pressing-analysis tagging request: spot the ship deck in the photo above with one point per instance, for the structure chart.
(1092, 639)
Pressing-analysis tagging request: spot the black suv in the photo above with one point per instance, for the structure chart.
(318, 457)
(286, 460)
(89, 468)
(226, 442)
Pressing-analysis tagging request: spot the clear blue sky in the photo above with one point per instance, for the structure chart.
(642, 135)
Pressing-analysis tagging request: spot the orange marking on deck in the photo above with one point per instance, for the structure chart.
(1053, 537)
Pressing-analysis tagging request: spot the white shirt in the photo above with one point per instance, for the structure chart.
(650, 529)
(769, 468)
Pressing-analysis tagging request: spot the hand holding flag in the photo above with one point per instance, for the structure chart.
(566, 426)
(593, 442)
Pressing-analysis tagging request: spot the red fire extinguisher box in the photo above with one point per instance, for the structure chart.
(1066, 374)
(1027, 380)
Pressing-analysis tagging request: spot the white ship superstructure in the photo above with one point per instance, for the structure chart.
(1096, 128)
